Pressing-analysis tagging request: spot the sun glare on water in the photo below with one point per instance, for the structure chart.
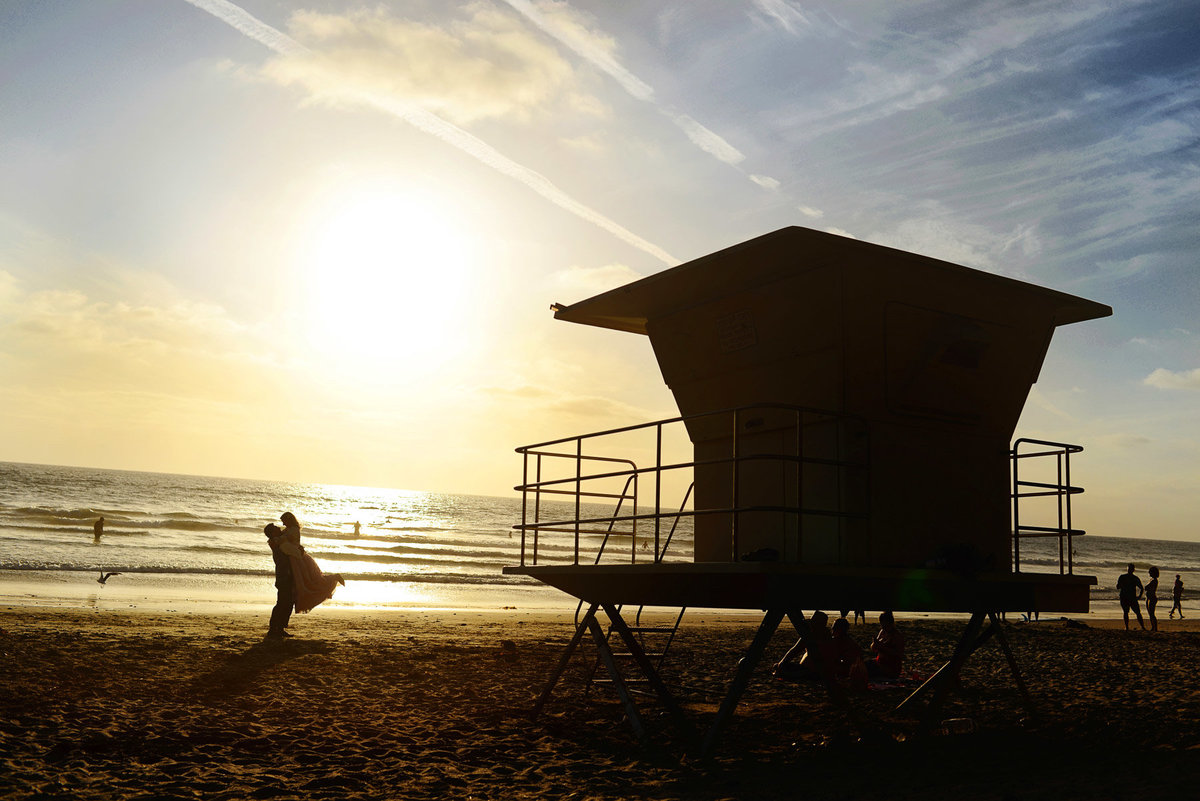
(385, 271)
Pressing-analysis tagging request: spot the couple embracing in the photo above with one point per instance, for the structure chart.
(299, 582)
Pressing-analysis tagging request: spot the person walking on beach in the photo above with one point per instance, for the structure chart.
(1129, 587)
(285, 585)
(98, 529)
(1152, 598)
(1177, 597)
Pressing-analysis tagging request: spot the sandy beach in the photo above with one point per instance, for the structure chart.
(429, 704)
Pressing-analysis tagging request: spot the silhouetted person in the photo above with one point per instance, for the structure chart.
(888, 647)
(357, 528)
(847, 656)
(310, 586)
(98, 529)
(1177, 597)
(1130, 590)
(805, 666)
(285, 586)
(857, 614)
(1152, 598)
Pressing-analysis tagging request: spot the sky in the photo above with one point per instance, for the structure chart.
(318, 241)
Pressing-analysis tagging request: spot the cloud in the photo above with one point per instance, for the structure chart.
(1120, 440)
(421, 118)
(477, 68)
(578, 33)
(571, 29)
(943, 235)
(1168, 379)
(1038, 400)
(247, 24)
(63, 338)
(784, 14)
(809, 211)
(564, 407)
(576, 283)
(970, 52)
(706, 140)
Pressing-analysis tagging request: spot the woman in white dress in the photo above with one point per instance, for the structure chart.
(312, 586)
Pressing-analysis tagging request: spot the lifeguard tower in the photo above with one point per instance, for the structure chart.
(849, 410)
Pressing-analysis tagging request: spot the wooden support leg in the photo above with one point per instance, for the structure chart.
(606, 655)
(648, 670)
(966, 646)
(562, 663)
(1012, 665)
(933, 681)
(742, 678)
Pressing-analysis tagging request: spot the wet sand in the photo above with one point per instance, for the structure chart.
(424, 705)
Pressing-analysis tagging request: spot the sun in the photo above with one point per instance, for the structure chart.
(384, 269)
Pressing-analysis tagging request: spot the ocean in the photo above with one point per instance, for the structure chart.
(180, 542)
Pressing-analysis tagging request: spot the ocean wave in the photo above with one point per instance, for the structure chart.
(422, 578)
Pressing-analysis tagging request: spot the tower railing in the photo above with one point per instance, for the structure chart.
(582, 472)
(1060, 489)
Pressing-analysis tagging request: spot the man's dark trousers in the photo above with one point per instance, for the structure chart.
(285, 593)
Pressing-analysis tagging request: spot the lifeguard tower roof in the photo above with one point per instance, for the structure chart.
(773, 257)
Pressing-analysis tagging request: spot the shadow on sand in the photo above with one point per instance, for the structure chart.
(240, 671)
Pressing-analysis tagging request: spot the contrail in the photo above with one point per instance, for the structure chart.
(254, 28)
(583, 46)
(244, 22)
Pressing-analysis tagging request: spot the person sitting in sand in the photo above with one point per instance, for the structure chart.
(1130, 590)
(798, 664)
(312, 586)
(888, 647)
(848, 662)
(1177, 598)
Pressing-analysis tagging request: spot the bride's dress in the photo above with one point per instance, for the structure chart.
(312, 586)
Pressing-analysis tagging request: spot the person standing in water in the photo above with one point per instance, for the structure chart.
(1130, 589)
(98, 529)
(1177, 597)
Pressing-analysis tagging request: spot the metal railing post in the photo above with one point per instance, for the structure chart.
(524, 501)
(1016, 514)
(537, 509)
(1064, 492)
(578, 490)
(1070, 547)
(658, 436)
(735, 465)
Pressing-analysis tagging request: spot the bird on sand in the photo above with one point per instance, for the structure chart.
(104, 577)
